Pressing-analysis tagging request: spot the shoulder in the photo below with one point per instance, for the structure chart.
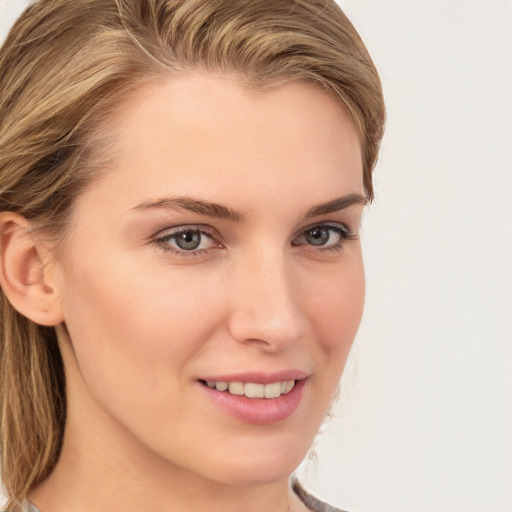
(312, 503)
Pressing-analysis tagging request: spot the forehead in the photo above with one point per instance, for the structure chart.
(210, 133)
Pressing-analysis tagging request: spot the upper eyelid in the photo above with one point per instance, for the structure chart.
(203, 229)
(327, 224)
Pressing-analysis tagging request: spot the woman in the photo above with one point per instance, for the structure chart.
(180, 193)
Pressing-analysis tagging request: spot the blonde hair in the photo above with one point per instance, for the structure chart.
(64, 69)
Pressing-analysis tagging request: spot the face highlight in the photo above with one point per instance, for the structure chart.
(213, 280)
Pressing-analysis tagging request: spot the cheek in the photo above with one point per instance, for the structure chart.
(337, 310)
(130, 325)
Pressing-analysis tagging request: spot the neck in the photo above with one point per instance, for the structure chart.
(61, 494)
(92, 477)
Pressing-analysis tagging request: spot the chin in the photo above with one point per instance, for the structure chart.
(259, 466)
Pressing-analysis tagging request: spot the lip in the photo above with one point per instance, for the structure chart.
(257, 411)
(258, 377)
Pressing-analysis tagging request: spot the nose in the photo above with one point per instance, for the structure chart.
(265, 306)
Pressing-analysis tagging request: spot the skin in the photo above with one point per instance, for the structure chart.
(142, 323)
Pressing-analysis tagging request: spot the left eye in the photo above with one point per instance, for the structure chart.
(322, 236)
(187, 240)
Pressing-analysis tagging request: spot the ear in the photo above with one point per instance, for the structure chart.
(26, 272)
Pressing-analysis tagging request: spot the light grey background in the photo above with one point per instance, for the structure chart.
(425, 422)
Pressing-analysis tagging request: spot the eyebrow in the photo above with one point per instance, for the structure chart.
(223, 212)
(340, 203)
(193, 205)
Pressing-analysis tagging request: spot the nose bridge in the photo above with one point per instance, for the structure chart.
(265, 305)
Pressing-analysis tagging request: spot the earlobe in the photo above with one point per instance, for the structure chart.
(25, 276)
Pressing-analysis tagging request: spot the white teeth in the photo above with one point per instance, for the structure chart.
(221, 386)
(252, 389)
(273, 390)
(236, 388)
(289, 385)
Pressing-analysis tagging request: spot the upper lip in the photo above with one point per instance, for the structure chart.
(258, 377)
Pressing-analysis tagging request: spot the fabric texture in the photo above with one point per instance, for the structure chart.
(312, 503)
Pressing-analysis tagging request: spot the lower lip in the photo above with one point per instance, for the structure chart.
(259, 411)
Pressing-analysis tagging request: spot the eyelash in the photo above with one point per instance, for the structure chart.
(339, 229)
(163, 241)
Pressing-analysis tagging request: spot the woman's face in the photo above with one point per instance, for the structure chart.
(220, 250)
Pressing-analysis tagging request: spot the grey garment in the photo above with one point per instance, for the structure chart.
(311, 502)
(314, 504)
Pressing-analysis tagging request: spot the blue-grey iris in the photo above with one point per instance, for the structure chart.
(188, 240)
(317, 236)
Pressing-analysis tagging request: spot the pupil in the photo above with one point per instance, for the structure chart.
(188, 240)
(318, 236)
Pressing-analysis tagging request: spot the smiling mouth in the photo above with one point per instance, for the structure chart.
(252, 389)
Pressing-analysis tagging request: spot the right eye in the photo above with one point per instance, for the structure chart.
(186, 241)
